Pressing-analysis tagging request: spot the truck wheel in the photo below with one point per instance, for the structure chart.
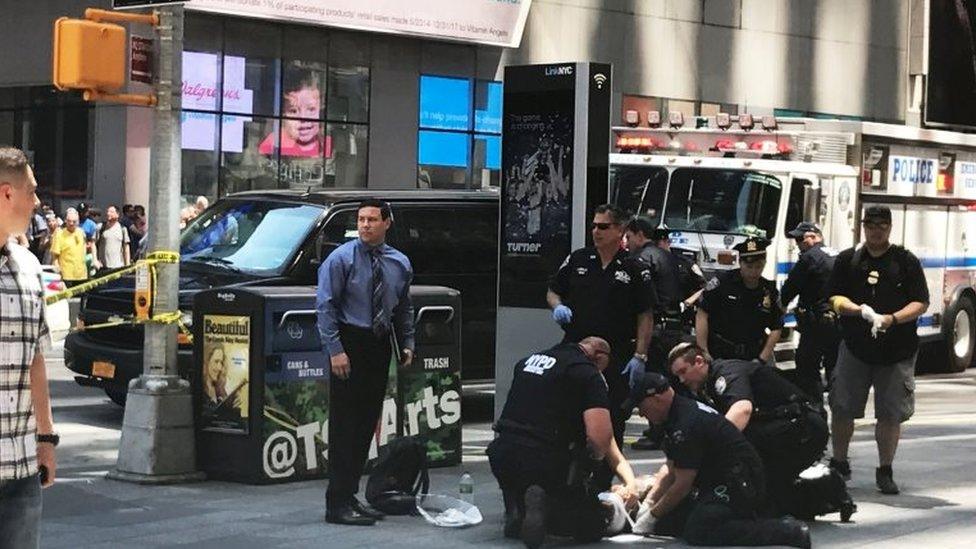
(961, 336)
(117, 393)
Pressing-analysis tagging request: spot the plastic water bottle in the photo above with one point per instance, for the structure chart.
(466, 488)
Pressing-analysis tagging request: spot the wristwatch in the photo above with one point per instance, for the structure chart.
(52, 438)
(641, 356)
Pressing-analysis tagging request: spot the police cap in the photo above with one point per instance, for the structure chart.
(650, 384)
(661, 232)
(752, 247)
(877, 214)
(641, 224)
(803, 228)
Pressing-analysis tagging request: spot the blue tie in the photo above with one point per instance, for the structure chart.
(379, 313)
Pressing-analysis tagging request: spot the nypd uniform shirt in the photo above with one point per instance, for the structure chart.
(605, 302)
(730, 381)
(886, 283)
(698, 437)
(674, 277)
(550, 391)
(740, 314)
(808, 278)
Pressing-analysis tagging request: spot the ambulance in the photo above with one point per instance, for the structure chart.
(716, 180)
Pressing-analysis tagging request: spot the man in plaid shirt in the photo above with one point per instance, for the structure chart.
(27, 436)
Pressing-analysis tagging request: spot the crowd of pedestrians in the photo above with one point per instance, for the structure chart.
(87, 240)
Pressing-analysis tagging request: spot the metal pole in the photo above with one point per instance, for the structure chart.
(157, 443)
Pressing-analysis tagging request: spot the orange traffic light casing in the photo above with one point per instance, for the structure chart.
(89, 55)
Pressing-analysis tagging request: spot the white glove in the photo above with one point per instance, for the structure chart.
(867, 313)
(644, 525)
(876, 320)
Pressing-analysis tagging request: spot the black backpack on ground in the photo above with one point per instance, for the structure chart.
(399, 476)
(823, 495)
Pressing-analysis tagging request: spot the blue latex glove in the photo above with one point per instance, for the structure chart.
(562, 314)
(634, 370)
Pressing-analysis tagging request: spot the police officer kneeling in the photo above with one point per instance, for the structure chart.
(553, 431)
(781, 422)
(712, 487)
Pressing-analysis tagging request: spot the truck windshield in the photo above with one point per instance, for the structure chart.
(722, 201)
(256, 237)
(639, 190)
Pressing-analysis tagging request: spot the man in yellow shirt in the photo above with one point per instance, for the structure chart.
(68, 250)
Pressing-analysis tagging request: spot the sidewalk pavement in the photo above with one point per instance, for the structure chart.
(84, 509)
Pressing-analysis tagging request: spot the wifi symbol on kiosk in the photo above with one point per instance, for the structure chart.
(600, 79)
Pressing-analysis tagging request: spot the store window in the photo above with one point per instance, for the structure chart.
(459, 141)
(52, 128)
(268, 106)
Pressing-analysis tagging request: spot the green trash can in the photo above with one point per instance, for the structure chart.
(429, 390)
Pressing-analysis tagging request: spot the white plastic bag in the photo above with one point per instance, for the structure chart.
(447, 512)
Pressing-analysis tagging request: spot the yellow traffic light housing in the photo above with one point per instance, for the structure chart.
(89, 55)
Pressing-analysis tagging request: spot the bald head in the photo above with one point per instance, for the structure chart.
(597, 350)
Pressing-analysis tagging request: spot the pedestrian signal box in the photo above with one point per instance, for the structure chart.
(89, 55)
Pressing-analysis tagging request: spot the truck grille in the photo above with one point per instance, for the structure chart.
(99, 309)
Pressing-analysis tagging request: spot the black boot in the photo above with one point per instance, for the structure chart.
(885, 480)
(790, 532)
(513, 513)
(534, 521)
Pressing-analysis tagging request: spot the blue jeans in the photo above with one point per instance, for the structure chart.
(20, 513)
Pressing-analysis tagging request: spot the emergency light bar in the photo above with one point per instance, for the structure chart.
(676, 119)
(632, 118)
(723, 120)
(653, 118)
(746, 122)
(769, 122)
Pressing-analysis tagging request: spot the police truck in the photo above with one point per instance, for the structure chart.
(730, 176)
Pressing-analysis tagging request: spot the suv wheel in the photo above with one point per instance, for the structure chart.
(117, 393)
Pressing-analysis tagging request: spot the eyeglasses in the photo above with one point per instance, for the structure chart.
(603, 226)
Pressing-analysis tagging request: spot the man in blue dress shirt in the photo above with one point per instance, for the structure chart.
(364, 308)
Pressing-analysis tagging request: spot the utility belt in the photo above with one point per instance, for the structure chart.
(527, 435)
(825, 317)
(723, 347)
(791, 411)
(671, 322)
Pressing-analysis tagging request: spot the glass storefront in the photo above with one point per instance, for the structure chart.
(52, 128)
(270, 106)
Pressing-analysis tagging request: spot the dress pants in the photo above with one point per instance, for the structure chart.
(355, 405)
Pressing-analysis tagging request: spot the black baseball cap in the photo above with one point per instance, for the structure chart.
(877, 214)
(650, 384)
(804, 227)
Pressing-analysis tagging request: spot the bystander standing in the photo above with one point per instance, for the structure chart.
(27, 439)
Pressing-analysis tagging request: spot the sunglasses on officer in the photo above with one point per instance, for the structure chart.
(603, 226)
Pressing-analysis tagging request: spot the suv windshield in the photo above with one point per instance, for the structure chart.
(252, 237)
(722, 201)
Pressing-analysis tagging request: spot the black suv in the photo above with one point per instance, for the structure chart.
(280, 238)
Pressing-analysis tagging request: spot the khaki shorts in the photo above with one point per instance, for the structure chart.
(894, 388)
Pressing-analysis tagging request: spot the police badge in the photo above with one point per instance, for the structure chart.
(720, 385)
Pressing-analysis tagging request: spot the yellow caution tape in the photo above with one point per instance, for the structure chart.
(151, 260)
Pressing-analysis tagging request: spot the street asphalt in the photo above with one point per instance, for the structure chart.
(937, 507)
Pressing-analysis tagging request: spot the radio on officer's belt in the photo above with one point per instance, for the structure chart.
(143, 294)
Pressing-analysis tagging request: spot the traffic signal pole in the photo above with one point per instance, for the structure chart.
(157, 445)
